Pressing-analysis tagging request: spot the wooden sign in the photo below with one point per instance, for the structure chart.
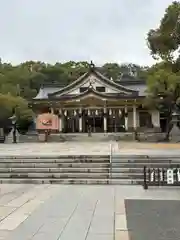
(47, 121)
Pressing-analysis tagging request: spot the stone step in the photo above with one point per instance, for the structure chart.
(38, 161)
(147, 162)
(126, 170)
(139, 158)
(142, 164)
(53, 170)
(126, 181)
(71, 181)
(68, 137)
(55, 175)
(55, 165)
(77, 158)
(53, 181)
(126, 175)
(73, 175)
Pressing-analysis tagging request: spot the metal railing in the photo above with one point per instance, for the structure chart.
(169, 176)
(111, 153)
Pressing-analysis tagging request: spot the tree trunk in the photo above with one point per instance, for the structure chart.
(168, 128)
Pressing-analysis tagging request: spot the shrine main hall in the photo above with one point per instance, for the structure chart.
(106, 105)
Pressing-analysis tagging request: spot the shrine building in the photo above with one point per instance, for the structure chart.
(108, 106)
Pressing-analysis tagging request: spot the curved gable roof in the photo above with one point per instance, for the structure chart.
(98, 75)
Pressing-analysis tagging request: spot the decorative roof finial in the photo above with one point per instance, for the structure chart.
(92, 66)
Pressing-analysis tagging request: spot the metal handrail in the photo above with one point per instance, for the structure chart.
(111, 152)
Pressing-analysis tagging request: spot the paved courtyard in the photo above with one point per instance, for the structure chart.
(60, 212)
(80, 148)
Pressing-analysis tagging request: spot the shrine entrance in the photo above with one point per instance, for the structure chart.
(96, 124)
(94, 119)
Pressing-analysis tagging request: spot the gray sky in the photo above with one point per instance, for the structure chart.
(63, 30)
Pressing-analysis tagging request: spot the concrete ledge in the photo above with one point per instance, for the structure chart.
(121, 235)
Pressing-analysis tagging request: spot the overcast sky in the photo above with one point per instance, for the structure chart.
(63, 30)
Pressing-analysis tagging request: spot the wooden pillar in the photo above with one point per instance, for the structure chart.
(134, 117)
(105, 119)
(80, 120)
(52, 110)
(60, 120)
(126, 118)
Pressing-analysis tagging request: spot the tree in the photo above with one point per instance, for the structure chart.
(164, 77)
(164, 41)
(111, 70)
(15, 105)
(9, 102)
(164, 92)
(114, 70)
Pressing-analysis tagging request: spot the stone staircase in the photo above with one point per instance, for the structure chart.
(82, 169)
(128, 169)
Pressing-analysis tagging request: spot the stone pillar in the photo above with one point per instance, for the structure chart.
(134, 117)
(60, 120)
(126, 118)
(10, 137)
(137, 119)
(80, 120)
(105, 119)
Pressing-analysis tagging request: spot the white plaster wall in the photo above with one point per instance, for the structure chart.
(155, 118)
(130, 119)
(97, 83)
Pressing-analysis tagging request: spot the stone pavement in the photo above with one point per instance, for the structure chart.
(70, 148)
(88, 148)
(61, 212)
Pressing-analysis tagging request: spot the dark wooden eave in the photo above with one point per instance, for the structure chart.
(92, 91)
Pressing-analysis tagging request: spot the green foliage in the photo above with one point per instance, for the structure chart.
(114, 70)
(164, 43)
(9, 102)
(163, 81)
(165, 40)
(20, 83)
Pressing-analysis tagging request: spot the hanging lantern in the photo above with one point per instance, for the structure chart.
(96, 112)
(89, 112)
(120, 112)
(75, 113)
(110, 112)
(65, 113)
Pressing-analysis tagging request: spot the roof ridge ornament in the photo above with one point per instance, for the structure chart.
(92, 65)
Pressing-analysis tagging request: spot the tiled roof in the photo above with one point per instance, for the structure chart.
(126, 83)
(44, 91)
(141, 88)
